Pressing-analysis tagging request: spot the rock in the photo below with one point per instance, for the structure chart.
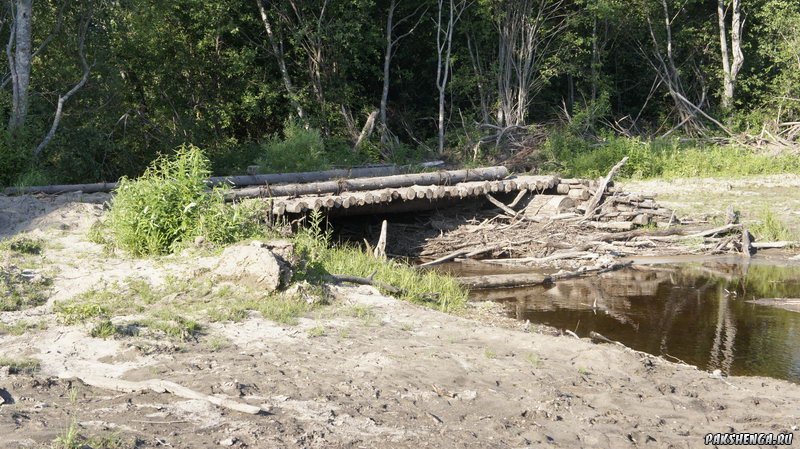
(249, 264)
(199, 240)
(284, 251)
(5, 397)
(228, 442)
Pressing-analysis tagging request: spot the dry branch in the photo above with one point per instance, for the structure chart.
(594, 203)
(164, 386)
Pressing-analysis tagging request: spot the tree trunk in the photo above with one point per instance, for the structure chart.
(20, 61)
(387, 61)
(727, 95)
(278, 50)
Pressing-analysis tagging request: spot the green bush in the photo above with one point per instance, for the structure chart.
(170, 204)
(300, 149)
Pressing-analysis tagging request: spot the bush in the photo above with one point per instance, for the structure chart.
(300, 150)
(170, 204)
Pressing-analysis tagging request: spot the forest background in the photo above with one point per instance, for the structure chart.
(94, 90)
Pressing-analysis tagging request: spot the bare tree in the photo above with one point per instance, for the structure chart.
(730, 71)
(277, 49)
(527, 35)
(444, 45)
(62, 99)
(392, 42)
(18, 51)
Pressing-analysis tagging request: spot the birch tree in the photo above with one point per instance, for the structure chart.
(276, 42)
(18, 51)
(444, 46)
(392, 42)
(528, 32)
(733, 58)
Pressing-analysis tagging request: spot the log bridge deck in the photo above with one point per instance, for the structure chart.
(394, 193)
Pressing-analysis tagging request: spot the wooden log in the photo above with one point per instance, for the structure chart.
(234, 181)
(781, 244)
(380, 247)
(544, 205)
(601, 189)
(164, 386)
(612, 225)
(578, 194)
(504, 280)
(641, 220)
(374, 183)
(563, 189)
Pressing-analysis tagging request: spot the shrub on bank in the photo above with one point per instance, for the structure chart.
(171, 204)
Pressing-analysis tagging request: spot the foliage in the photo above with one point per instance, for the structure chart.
(170, 204)
(165, 73)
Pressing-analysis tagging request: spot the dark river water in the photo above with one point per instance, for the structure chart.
(698, 313)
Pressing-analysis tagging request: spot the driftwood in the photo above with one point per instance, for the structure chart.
(594, 203)
(441, 178)
(380, 247)
(504, 280)
(548, 205)
(165, 386)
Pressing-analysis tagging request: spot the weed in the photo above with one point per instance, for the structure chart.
(361, 312)
(20, 366)
(217, 343)
(104, 329)
(489, 354)
(771, 228)
(423, 287)
(316, 331)
(22, 245)
(19, 289)
(76, 312)
(70, 439)
(583, 371)
(534, 360)
(20, 327)
(282, 310)
(669, 158)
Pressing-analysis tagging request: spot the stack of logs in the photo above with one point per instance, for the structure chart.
(618, 210)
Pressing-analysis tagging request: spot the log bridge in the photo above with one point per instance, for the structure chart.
(397, 193)
(392, 189)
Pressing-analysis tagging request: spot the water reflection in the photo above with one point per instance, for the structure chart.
(696, 313)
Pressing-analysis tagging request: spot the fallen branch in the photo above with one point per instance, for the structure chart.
(594, 203)
(165, 386)
(504, 280)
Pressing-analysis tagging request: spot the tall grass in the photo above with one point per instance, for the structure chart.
(668, 158)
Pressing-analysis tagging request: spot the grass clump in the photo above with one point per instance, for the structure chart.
(170, 204)
(771, 228)
(423, 287)
(20, 366)
(19, 290)
(22, 245)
